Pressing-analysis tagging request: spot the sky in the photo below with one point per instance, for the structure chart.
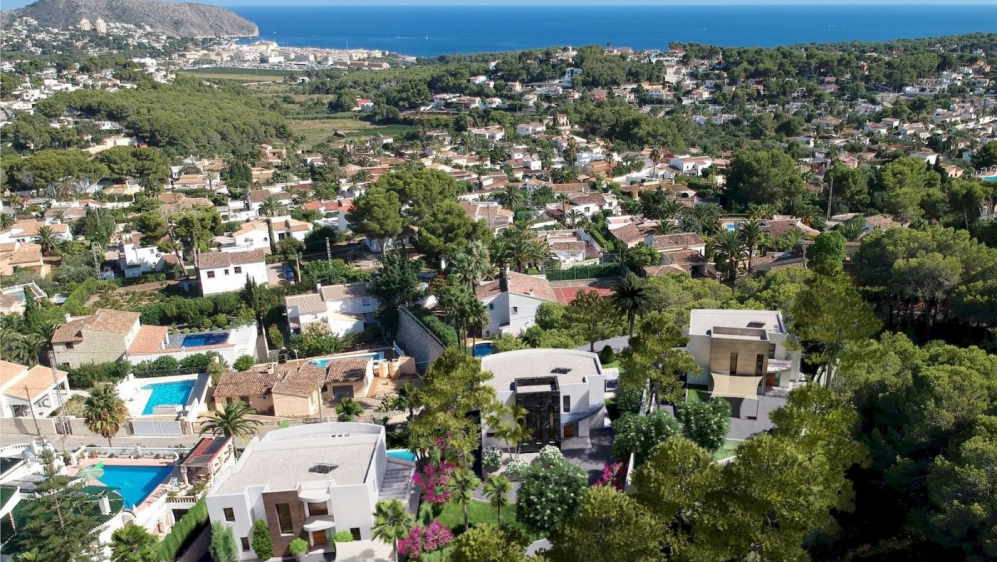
(9, 4)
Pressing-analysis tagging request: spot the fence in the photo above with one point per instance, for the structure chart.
(584, 272)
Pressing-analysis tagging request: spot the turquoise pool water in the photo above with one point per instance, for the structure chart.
(134, 483)
(168, 394)
(731, 227)
(482, 349)
(325, 362)
(402, 454)
(990, 178)
(198, 340)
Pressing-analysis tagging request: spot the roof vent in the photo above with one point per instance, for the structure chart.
(756, 324)
(560, 371)
(323, 468)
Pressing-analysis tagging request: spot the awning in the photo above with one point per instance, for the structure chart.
(734, 386)
(319, 523)
(314, 495)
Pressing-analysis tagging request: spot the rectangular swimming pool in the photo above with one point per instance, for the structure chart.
(325, 362)
(168, 394)
(134, 483)
(199, 340)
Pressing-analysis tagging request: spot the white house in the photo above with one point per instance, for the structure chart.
(742, 353)
(512, 302)
(30, 392)
(27, 231)
(562, 390)
(332, 485)
(225, 272)
(691, 164)
(343, 308)
(136, 258)
(256, 233)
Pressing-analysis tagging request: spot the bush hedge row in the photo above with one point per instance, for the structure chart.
(184, 532)
(584, 272)
(446, 333)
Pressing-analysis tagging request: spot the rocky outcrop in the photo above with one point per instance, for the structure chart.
(181, 19)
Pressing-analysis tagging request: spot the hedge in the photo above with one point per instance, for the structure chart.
(86, 376)
(167, 366)
(184, 532)
(190, 311)
(446, 333)
(585, 272)
(77, 299)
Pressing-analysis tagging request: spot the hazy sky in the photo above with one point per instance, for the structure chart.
(8, 4)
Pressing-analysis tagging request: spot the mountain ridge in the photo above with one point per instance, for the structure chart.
(184, 19)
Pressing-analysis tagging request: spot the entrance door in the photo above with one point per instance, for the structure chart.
(771, 380)
(319, 538)
(569, 430)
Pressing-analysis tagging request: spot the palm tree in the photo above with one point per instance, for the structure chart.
(46, 239)
(497, 489)
(472, 264)
(271, 207)
(132, 543)
(22, 347)
(6, 220)
(104, 412)
(537, 252)
(232, 421)
(727, 248)
(347, 409)
(391, 524)
(633, 297)
(512, 197)
(751, 231)
(708, 217)
(462, 485)
(665, 227)
(573, 216)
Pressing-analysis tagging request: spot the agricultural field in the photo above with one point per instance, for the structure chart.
(316, 131)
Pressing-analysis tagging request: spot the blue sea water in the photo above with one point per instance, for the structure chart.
(437, 30)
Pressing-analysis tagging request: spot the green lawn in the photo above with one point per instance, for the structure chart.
(728, 450)
(478, 513)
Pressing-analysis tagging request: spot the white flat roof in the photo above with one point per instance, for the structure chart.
(284, 469)
(703, 321)
(524, 363)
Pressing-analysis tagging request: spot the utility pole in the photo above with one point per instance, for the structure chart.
(63, 419)
(297, 268)
(328, 250)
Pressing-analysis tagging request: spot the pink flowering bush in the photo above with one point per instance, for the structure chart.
(434, 480)
(613, 474)
(423, 540)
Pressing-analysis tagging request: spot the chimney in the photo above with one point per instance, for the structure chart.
(270, 369)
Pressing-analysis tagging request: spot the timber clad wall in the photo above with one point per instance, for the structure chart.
(747, 353)
(270, 501)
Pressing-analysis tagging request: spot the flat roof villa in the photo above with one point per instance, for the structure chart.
(332, 485)
(563, 391)
(742, 353)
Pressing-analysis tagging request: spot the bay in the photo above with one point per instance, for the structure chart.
(437, 30)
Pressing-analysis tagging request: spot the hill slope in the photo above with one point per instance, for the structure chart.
(183, 19)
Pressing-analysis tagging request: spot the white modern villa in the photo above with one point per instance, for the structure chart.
(309, 481)
(562, 390)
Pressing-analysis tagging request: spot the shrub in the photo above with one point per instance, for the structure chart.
(423, 540)
(244, 363)
(184, 531)
(550, 455)
(491, 458)
(276, 338)
(435, 482)
(222, 547)
(343, 536)
(628, 400)
(639, 434)
(447, 334)
(298, 546)
(516, 468)
(607, 355)
(262, 543)
(86, 376)
(705, 423)
(548, 495)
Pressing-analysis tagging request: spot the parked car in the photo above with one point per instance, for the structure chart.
(289, 273)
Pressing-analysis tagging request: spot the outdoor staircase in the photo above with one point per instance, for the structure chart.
(398, 485)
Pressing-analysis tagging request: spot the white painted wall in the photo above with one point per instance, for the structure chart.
(229, 282)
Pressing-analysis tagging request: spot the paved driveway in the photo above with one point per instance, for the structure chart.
(593, 459)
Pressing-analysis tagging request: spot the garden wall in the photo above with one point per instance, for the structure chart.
(417, 341)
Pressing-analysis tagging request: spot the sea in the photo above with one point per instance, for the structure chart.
(429, 31)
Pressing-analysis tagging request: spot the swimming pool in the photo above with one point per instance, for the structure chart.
(325, 362)
(731, 226)
(482, 349)
(403, 454)
(134, 483)
(199, 340)
(990, 178)
(168, 394)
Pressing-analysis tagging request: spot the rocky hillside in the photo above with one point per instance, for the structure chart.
(182, 19)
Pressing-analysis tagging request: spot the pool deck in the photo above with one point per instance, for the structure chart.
(136, 397)
(157, 492)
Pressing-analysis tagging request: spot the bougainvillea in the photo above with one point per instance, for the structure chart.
(434, 480)
(423, 540)
(613, 474)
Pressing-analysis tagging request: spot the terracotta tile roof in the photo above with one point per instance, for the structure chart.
(9, 371)
(589, 199)
(149, 340)
(520, 284)
(309, 303)
(567, 246)
(346, 370)
(684, 258)
(69, 332)
(657, 270)
(260, 195)
(779, 228)
(628, 234)
(214, 260)
(344, 292)
(104, 321)
(570, 187)
(8, 302)
(676, 241)
(882, 221)
(300, 381)
(26, 253)
(38, 379)
(246, 383)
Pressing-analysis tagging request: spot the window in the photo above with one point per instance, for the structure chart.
(244, 399)
(355, 531)
(226, 272)
(229, 514)
(70, 346)
(211, 275)
(365, 301)
(733, 363)
(566, 406)
(284, 518)
(515, 310)
(759, 364)
(238, 269)
(320, 508)
(771, 351)
(491, 306)
(245, 543)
